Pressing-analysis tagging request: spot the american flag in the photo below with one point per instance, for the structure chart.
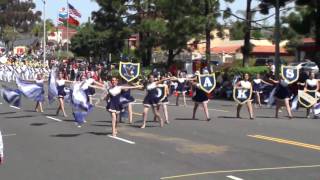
(74, 11)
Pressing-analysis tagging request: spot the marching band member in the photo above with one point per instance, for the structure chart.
(87, 86)
(311, 85)
(164, 88)
(127, 102)
(60, 82)
(40, 82)
(257, 83)
(181, 88)
(282, 96)
(114, 105)
(245, 84)
(200, 97)
(151, 100)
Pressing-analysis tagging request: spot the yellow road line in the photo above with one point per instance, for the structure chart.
(285, 141)
(239, 170)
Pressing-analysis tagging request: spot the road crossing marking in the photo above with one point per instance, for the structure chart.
(285, 141)
(7, 135)
(234, 177)
(0, 102)
(121, 139)
(241, 170)
(55, 119)
(15, 107)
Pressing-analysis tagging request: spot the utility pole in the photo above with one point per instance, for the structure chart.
(277, 39)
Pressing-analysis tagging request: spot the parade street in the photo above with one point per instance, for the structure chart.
(45, 146)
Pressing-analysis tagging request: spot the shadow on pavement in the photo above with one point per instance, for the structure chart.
(4, 113)
(38, 124)
(270, 117)
(102, 125)
(29, 111)
(228, 117)
(18, 117)
(65, 135)
(104, 121)
(188, 119)
(99, 133)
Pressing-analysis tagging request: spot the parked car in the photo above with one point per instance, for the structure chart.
(264, 61)
(306, 66)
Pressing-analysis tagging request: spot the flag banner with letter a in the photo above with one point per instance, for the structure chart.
(129, 71)
(242, 95)
(307, 98)
(290, 73)
(207, 82)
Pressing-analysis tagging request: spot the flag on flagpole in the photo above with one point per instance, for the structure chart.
(62, 16)
(73, 21)
(74, 11)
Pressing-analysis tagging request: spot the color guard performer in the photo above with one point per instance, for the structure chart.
(311, 84)
(246, 85)
(114, 105)
(282, 96)
(151, 100)
(200, 97)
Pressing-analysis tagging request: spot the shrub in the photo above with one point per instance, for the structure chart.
(252, 71)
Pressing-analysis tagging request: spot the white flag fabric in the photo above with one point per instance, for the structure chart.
(1, 148)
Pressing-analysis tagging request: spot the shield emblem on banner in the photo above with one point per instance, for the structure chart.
(129, 71)
(160, 92)
(207, 82)
(290, 73)
(308, 98)
(242, 95)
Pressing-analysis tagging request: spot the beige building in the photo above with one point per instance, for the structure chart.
(226, 51)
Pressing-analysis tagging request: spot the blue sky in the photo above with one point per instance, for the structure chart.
(53, 6)
(87, 6)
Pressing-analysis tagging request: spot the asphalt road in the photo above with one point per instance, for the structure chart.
(44, 146)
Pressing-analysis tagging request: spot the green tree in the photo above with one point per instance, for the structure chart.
(110, 23)
(86, 42)
(237, 30)
(9, 35)
(18, 14)
(182, 22)
(37, 29)
(306, 19)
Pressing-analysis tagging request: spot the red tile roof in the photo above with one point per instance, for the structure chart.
(267, 50)
(308, 40)
(226, 49)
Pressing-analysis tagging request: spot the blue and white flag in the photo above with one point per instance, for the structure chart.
(316, 109)
(1, 149)
(30, 90)
(80, 116)
(11, 96)
(79, 102)
(78, 97)
(52, 87)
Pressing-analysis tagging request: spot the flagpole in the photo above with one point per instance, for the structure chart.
(44, 31)
(68, 28)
